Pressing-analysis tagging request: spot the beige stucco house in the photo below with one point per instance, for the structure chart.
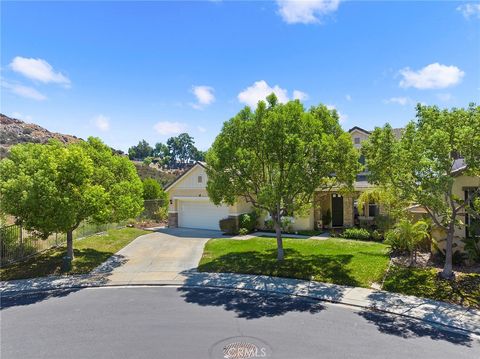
(189, 205)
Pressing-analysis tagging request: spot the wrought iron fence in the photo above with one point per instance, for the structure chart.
(16, 243)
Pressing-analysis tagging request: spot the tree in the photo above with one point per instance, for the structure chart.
(53, 188)
(277, 156)
(181, 148)
(423, 164)
(152, 189)
(140, 151)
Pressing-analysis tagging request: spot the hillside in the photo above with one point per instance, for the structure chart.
(13, 131)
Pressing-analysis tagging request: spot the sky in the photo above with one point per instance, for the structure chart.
(126, 71)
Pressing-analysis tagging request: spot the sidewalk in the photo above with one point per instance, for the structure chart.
(419, 308)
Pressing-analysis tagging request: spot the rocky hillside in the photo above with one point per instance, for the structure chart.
(13, 131)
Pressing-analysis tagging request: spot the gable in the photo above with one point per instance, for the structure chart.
(194, 178)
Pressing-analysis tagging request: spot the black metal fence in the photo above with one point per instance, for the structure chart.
(16, 243)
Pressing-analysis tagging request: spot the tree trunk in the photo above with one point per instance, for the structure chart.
(447, 272)
(70, 244)
(278, 232)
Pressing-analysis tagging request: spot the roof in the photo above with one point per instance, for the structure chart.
(197, 163)
(459, 165)
(359, 129)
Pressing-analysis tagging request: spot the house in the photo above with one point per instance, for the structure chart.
(189, 205)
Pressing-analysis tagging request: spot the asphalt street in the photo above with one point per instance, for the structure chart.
(171, 322)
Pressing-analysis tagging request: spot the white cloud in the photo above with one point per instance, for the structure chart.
(470, 10)
(259, 91)
(38, 69)
(300, 95)
(342, 118)
(201, 129)
(305, 11)
(433, 76)
(204, 95)
(398, 100)
(102, 122)
(170, 128)
(24, 91)
(348, 97)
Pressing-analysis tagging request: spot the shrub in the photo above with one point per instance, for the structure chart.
(248, 221)
(286, 224)
(326, 217)
(408, 237)
(243, 231)
(472, 248)
(384, 223)
(268, 224)
(356, 233)
(228, 225)
(376, 235)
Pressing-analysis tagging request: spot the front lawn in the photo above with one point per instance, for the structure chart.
(335, 260)
(89, 253)
(424, 282)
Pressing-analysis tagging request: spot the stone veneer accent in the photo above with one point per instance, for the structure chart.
(348, 211)
(173, 220)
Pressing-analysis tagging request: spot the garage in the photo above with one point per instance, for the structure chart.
(200, 214)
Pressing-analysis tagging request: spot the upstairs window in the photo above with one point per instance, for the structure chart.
(200, 179)
(356, 140)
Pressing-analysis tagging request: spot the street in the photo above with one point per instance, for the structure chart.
(171, 322)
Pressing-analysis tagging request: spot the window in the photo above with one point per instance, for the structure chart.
(200, 179)
(361, 159)
(372, 210)
(473, 223)
(356, 140)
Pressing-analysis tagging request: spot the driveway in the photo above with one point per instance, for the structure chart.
(167, 255)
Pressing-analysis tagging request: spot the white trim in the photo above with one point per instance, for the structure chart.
(191, 198)
(183, 176)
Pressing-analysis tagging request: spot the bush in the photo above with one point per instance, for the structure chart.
(356, 233)
(377, 236)
(384, 223)
(268, 224)
(408, 237)
(243, 231)
(248, 221)
(286, 224)
(472, 248)
(326, 217)
(228, 225)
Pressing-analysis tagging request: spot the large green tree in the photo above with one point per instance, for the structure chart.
(53, 188)
(422, 165)
(276, 157)
(140, 151)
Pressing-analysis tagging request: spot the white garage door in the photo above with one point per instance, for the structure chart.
(200, 214)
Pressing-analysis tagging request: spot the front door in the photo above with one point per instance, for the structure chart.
(337, 210)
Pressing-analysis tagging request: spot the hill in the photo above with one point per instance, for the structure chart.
(13, 131)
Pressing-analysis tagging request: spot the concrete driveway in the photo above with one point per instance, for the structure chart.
(167, 255)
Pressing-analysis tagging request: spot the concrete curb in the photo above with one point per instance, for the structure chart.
(433, 312)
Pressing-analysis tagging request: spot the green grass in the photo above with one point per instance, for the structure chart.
(339, 261)
(89, 253)
(465, 290)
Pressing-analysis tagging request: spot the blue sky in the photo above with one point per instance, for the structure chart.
(124, 71)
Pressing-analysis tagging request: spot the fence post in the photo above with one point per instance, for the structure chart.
(21, 241)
